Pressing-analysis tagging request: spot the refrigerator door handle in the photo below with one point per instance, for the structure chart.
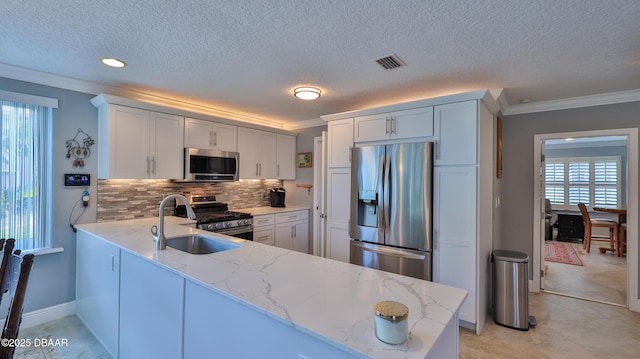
(388, 251)
(387, 193)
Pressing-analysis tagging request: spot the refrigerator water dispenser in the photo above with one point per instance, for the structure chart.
(368, 209)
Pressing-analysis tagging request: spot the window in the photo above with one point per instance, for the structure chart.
(594, 181)
(24, 142)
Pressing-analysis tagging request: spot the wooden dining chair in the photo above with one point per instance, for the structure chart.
(622, 240)
(17, 268)
(589, 224)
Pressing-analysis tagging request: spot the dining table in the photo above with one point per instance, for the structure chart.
(622, 218)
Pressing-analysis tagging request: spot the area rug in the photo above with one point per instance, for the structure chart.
(562, 253)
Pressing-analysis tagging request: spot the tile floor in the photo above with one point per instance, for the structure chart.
(567, 328)
(603, 276)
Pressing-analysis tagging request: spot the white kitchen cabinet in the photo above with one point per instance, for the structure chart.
(338, 195)
(339, 143)
(135, 143)
(263, 229)
(454, 228)
(257, 154)
(151, 310)
(285, 157)
(456, 132)
(210, 135)
(396, 125)
(292, 230)
(217, 326)
(98, 288)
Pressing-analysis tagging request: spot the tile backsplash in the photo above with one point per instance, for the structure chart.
(128, 199)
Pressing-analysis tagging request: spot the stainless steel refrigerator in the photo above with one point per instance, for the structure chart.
(391, 200)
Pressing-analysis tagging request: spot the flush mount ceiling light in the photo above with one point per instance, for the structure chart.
(306, 93)
(113, 62)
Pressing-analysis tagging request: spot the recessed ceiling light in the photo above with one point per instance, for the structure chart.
(306, 93)
(113, 62)
(568, 139)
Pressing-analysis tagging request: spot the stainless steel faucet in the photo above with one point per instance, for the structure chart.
(158, 232)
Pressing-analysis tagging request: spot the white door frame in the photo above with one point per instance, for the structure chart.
(632, 206)
(319, 183)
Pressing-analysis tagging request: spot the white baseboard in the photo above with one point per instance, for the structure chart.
(40, 316)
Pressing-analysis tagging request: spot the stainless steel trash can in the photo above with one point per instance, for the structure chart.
(511, 289)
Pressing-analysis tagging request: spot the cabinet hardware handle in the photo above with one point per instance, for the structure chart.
(210, 138)
(386, 125)
(148, 165)
(260, 167)
(393, 125)
(113, 262)
(215, 139)
(153, 165)
(256, 169)
(350, 153)
(436, 146)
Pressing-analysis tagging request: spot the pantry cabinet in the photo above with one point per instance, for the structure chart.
(210, 135)
(456, 127)
(139, 144)
(257, 154)
(339, 143)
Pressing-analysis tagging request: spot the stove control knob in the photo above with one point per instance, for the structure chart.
(217, 225)
(246, 221)
(210, 227)
(239, 223)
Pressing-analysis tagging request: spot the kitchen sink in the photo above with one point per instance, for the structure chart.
(199, 244)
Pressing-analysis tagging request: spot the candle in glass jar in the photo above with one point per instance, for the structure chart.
(391, 324)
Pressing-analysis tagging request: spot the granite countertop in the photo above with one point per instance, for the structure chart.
(256, 211)
(331, 300)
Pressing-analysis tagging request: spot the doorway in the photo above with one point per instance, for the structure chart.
(572, 275)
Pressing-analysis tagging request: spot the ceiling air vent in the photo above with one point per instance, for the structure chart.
(390, 62)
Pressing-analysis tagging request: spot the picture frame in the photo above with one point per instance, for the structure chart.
(499, 147)
(305, 159)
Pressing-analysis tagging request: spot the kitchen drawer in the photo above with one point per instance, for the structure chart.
(264, 235)
(292, 216)
(263, 220)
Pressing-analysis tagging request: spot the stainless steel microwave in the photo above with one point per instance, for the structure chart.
(210, 166)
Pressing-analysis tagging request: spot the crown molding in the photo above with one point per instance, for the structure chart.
(316, 122)
(94, 88)
(574, 102)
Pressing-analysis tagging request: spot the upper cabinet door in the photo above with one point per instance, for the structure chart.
(225, 137)
(339, 143)
(198, 134)
(371, 128)
(267, 154)
(286, 157)
(210, 135)
(411, 123)
(456, 127)
(124, 143)
(167, 154)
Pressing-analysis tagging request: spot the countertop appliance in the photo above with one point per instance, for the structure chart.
(391, 201)
(210, 166)
(215, 216)
(277, 196)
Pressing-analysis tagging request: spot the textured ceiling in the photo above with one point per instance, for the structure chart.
(246, 56)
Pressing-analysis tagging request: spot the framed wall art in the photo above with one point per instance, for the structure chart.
(304, 159)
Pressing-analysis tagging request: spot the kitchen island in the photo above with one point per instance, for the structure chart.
(251, 301)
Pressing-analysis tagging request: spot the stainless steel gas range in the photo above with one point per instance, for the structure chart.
(215, 216)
